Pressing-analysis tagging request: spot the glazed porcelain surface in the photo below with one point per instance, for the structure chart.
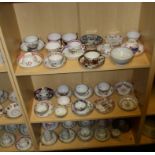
(7, 139)
(61, 111)
(50, 126)
(69, 37)
(63, 100)
(69, 124)
(3, 96)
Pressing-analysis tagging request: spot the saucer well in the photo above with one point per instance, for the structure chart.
(84, 64)
(85, 96)
(24, 48)
(74, 55)
(103, 94)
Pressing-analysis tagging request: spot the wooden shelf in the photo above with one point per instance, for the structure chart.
(124, 140)
(147, 140)
(151, 105)
(2, 68)
(117, 113)
(72, 66)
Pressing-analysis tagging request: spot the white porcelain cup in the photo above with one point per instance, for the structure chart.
(55, 59)
(69, 37)
(29, 59)
(103, 86)
(85, 132)
(54, 37)
(63, 100)
(63, 90)
(53, 46)
(79, 105)
(41, 107)
(31, 41)
(81, 89)
(74, 46)
(135, 35)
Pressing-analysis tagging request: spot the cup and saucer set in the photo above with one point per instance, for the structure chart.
(32, 43)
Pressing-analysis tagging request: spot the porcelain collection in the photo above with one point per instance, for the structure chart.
(90, 50)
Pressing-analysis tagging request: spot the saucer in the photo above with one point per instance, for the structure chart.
(51, 141)
(105, 105)
(102, 134)
(124, 88)
(48, 65)
(86, 123)
(24, 48)
(23, 130)
(24, 143)
(44, 93)
(103, 94)
(84, 64)
(48, 112)
(85, 137)
(128, 103)
(69, 124)
(85, 107)
(85, 96)
(13, 110)
(31, 63)
(73, 55)
(12, 128)
(3, 96)
(6, 136)
(50, 126)
(70, 138)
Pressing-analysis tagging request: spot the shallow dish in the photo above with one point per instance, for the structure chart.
(121, 55)
(128, 103)
(124, 88)
(44, 93)
(105, 105)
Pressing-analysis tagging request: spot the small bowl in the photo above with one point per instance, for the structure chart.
(133, 35)
(53, 46)
(121, 55)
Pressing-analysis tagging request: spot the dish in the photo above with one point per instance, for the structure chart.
(124, 88)
(24, 144)
(67, 135)
(44, 93)
(102, 134)
(72, 55)
(82, 107)
(29, 60)
(7, 139)
(50, 126)
(25, 48)
(69, 124)
(48, 137)
(128, 103)
(105, 105)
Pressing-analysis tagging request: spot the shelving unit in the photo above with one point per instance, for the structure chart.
(75, 17)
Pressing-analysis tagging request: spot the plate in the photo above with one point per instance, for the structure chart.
(105, 105)
(24, 48)
(88, 107)
(46, 63)
(7, 140)
(85, 137)
(69, 124)
(50, 126)
(24, 144)
(29, 64)
(23, 130)
(13, 110)
(50, 141)
(12, 128)
(102, 134)
(67, 139)
(124, 88)
(87, 95)
(48, 112)
(128, 103)
(44, 93)
(84, 64)
(72, 55)
(103, 94)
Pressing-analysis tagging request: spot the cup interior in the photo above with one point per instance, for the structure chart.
(92, 55)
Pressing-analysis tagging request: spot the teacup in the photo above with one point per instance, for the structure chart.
(103, 86)
(80, 105)
(54, 37)
(53, 46)
(41, 107)
(74, 46)
(55, 59)
(102, 133)
(135, 35)
(133, 45)
(69, 37)
(69, 124)
(63, 100)
(63, 90)
(107, 48)
(65, 134)
(85, 132)
(31, 41)
(92, 57)
(81, 89)
(1, 58)
(29, 59)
